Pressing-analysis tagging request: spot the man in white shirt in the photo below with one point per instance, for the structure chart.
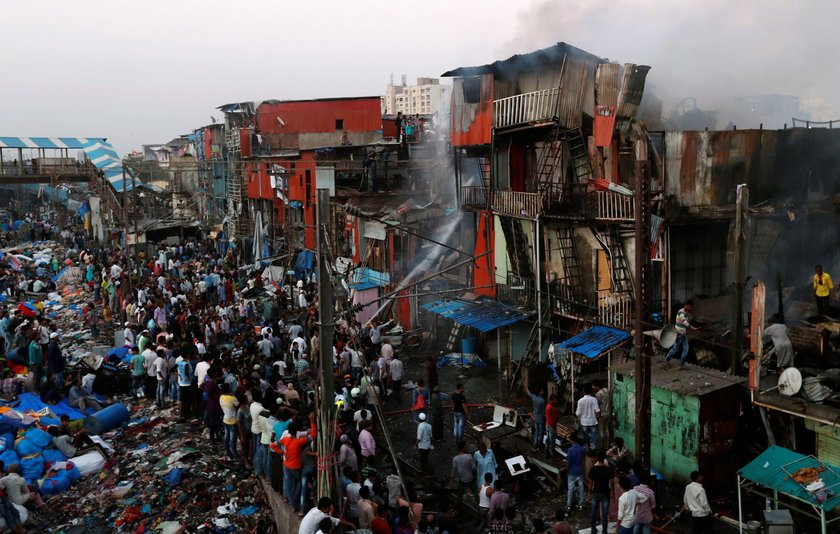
(698, 504)
(357, 364)
(128, 334)
(149, 357)
(587, 413)
(778, 332)
(201, 369)
(301, 344)
(626, 507)
(162, 376)
(395, 371)
(309, 523)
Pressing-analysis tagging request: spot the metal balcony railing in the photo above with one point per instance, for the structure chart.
(527, 107)
(612, 206)
(577, 201)
(606, 308)
(513, 203)
(473, 197)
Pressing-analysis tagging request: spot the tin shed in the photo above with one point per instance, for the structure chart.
(694, 419)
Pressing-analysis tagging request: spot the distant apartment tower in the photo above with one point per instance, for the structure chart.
(427, 97)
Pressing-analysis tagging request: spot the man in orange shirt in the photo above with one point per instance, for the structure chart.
(293, 448)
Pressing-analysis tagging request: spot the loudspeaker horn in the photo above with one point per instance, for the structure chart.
(666, 336)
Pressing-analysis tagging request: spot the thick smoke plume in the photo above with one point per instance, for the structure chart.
(715, 51)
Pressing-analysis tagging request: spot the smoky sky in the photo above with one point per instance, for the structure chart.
(712, 50)
(145, 72)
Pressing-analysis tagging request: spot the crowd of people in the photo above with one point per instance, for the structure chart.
(221, 344)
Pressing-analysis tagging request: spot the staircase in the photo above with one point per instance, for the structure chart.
(579, 156)
(484, 170)
(532, 348)
(622, 278)
(549, 159)
(571, 283)
(615, 307)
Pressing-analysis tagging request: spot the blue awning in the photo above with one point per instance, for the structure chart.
(97, 149)
(594, 341)
(484, 315)
(368, 279)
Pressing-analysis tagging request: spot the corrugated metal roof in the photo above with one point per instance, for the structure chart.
(366, 278)
(525, 62)
(484, 315)
(98, 150)
(594, 341)
(692, 380)
(632, 89)
(773, 467)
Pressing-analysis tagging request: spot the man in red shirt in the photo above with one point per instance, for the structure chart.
(292, 461)
(380, 525)
(551, 415)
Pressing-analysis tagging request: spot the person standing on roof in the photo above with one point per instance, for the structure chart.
(682, 326)
(822, 289)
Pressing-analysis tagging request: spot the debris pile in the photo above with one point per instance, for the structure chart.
(164, 476)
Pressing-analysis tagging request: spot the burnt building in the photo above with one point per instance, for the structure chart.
(546, 146)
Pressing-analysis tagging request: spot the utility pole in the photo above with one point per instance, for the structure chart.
(742, 200)
(326, 396)
(642, 312)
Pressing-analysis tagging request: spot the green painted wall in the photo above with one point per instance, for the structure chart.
(828, 441)
(675, 424)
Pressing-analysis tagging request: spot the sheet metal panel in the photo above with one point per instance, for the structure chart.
(773, 467)
(484, 315)
(790, 166)
(607, 84)
(594, 341)
(631, 90)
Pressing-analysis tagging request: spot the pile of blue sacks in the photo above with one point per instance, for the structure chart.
(39, 462)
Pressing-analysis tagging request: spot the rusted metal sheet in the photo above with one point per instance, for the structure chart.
(631, 90)
(607, 77)
(472, 114)
(704, 168)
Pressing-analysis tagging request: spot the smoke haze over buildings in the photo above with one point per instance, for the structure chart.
(715, 51)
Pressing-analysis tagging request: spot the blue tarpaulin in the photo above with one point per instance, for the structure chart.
(31, 401)
(305, 260)
(594, 341)
(484, 315)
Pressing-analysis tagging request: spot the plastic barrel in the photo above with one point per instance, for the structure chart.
(107, 419)
(468, 345)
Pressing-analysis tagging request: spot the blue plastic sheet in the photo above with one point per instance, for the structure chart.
(173, 478)
(30, 401)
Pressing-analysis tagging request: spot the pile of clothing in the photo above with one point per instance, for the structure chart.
(163, 475)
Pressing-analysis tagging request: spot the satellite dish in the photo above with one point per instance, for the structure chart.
(790, 381)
